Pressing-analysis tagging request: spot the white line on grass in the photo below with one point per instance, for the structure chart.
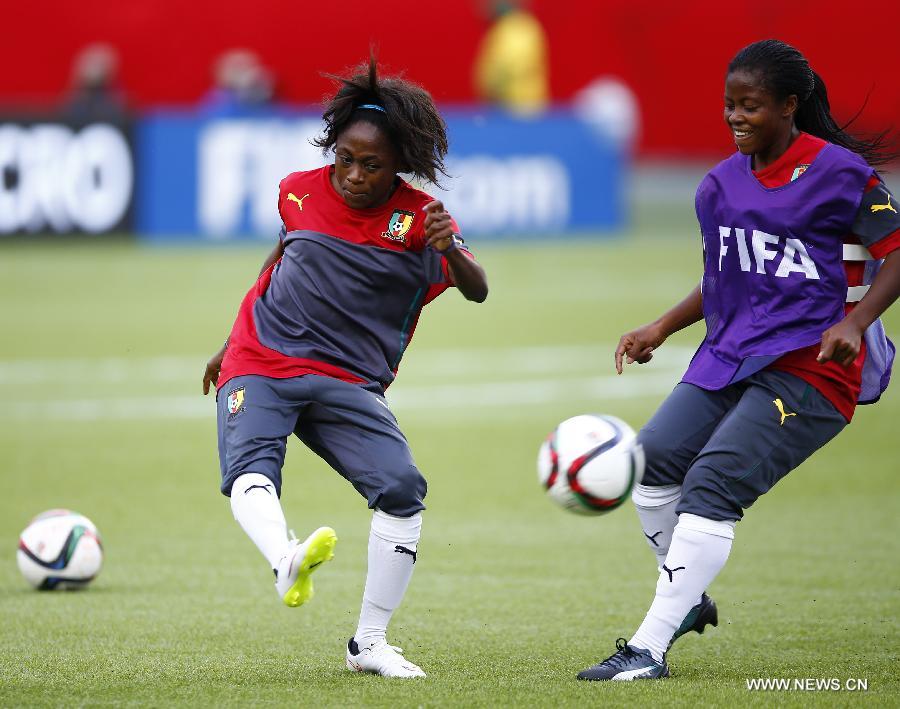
(555, 380)
(489, 361)
(463, 397)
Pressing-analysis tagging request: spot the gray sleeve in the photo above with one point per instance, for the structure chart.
(877, 216)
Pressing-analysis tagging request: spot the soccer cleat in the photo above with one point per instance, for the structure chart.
(381, 659)
(627, 663)
(292, 577)
(703, 614)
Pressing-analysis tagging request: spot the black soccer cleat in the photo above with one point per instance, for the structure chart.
(703, 614)
(627, 663)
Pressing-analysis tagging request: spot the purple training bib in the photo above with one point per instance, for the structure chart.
(774, 278)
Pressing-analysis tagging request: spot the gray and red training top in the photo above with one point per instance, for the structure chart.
(345, 298)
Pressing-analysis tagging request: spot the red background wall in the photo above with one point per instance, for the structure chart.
(673, 54)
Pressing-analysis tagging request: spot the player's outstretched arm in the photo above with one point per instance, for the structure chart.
(841, 342)
(213, 367)
(467, 274)
(276, 254)
(638, 345)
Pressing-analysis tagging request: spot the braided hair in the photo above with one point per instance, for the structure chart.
(409, 118)
(783, 71)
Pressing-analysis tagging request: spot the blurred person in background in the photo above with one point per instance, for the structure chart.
(801, 248)
(94, 95)
(511, 66)
(242, 85)
(319, 338)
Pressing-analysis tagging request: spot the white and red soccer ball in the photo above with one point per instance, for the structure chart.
(589, 464)
(60, 549)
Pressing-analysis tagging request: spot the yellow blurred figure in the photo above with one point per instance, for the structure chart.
(511, 68)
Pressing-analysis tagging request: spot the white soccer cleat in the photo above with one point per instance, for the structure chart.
(292, 577)
(381, 659)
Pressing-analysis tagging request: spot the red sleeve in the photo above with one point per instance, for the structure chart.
(883, 247)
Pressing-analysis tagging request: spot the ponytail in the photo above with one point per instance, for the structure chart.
(784, 71)
(814, 117)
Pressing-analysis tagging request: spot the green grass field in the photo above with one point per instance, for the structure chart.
(101, 354)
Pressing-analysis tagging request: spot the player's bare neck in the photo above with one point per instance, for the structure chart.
(768, 157)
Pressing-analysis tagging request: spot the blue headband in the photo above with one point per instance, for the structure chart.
(373, 106)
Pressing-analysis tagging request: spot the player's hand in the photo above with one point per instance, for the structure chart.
(638, 345)
(213, 367)
(438, 226)
(841, 343)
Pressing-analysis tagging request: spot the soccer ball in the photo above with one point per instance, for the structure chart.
(60, 549)
(590, 463)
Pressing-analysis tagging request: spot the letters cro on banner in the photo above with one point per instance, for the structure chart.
(217, 180)
(61, 178)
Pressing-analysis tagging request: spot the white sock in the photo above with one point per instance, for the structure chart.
(656, 510)
(698, 551)
(257, 509)
(393, 542)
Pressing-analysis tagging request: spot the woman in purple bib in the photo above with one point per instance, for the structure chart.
(801, 245)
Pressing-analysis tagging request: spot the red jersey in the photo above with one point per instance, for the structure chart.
(344, 299)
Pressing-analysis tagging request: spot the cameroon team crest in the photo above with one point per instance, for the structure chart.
(235, 402)
(399, 225)
(799, 170)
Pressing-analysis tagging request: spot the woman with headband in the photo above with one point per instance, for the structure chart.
(320, 335)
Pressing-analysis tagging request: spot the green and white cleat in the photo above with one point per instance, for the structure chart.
(292, 578)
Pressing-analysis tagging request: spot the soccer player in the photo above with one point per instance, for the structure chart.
(320, 335)
(800, 240)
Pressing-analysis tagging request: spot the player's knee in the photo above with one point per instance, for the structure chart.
(403, 493)
(706, 493)
(657, 452)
